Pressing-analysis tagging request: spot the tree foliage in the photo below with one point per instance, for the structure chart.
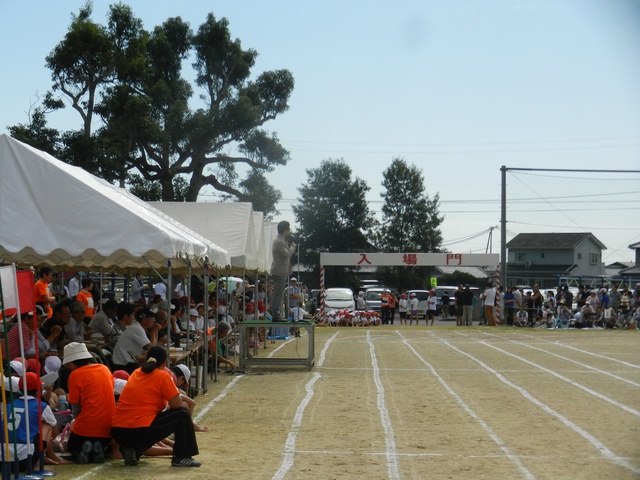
(410, 223)
(140, 122)
(333, 216)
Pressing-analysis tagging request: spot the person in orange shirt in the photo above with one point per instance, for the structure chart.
(92, 404)
(142, 419)
(84, 296)
(385, 298)
(41, 290)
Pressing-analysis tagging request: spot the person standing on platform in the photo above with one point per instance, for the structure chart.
(280, 268)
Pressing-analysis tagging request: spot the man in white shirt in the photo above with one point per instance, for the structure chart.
(138, 288)
(74, 285)
(160, 289)
(489, 298)
(134, 342)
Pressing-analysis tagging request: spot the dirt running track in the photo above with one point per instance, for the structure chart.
(423, 403)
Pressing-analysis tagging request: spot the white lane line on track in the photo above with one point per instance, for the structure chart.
(604, 451)
(602, 397)
(290, 444)
(326, 347)
(389, 439)
(585, 352)
(494, 436)
(588, 367)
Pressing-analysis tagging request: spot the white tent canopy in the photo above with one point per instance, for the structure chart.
(56, 214)
(258, 229)
(229, 225)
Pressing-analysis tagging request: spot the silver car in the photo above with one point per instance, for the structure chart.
(339, 299)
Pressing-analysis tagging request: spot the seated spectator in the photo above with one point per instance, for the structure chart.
(75, 329)
(41, 419)
(134, 342)
(61, 318)
(92, 405)
(103, 320)
(182, 375)
(124, 314)
(196, 322)
(24, 328)
(223, 330)
(142, 419)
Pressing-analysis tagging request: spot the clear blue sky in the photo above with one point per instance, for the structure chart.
(457, 88)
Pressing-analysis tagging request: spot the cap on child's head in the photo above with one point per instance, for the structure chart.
(33, 366)
(186, 373)
(33, 382)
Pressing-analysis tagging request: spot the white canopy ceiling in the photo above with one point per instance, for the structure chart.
(56, 214)
(229, 225)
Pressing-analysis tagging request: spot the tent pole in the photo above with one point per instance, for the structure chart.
(205, 349)
(168, 312)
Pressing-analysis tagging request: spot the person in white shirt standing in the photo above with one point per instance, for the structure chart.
(489, 299)
(160, 289)
(74, 285)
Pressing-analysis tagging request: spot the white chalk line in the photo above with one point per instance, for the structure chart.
(604, 357)
(389, 439)
(290, 444)
(494, 436)
(222, 394)
(567, 359)
(604, 451)
(324, 350)
(602, 397)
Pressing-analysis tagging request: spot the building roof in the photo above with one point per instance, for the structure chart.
(631, 271)
(619, 265)
(635, 245)
(552, 240)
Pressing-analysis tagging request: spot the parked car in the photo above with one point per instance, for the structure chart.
(339, 299)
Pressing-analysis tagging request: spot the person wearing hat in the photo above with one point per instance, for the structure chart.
(134, 342)
(142, 419)
(361, 304)
(294, 294)
(413, 308)
(41, 419)
(183, 374)
(92, 404)
(196, 322)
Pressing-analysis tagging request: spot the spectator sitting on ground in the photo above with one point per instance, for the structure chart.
(141, 417)
(182, 376)
(522, 317)
(134, 342)
(41, 419)
(92, 405)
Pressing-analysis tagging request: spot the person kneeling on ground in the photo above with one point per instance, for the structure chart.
(92, 404)
(141, 419)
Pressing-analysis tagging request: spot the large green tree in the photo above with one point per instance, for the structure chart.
(410, 222)
(140, 122)
(333, 216)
